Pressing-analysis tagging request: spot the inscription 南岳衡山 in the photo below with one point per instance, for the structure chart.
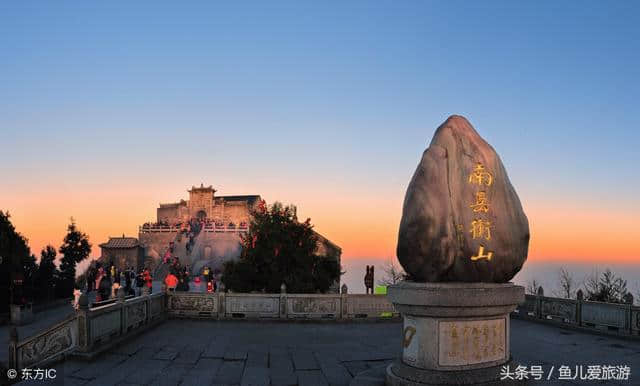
(481, 228)
(471, 342)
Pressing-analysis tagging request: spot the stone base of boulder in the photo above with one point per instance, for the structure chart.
(453, 333)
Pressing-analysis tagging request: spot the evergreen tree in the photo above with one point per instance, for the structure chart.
(75, 248)
(47, 272)
(14, 252)
(278, 249)
(607, 288)
(29, 269)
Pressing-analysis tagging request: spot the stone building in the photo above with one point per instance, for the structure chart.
(203, 204)
(225, 219)
(123, 252)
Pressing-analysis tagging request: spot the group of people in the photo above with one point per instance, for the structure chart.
(162, 223)
(107, 280)
(178, 278)
(211, 278)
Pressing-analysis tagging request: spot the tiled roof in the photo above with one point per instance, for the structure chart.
(120, 242)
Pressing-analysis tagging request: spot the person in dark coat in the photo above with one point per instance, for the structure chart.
(104, 291)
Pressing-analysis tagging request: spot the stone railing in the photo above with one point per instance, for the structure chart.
(158, 229)
(93, 330)
(44, 347)
(89, 330)
(623, 319)
(278, 306)
(101, 327)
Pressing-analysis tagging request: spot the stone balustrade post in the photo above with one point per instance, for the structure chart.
(84, 323)
(628, 300)
(222, 306)
(283, 301)
(579, 300)
(13, 349)
(344, 299)
(120, 297)
(539, 296)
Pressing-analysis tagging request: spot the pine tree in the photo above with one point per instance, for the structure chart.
(14, 252)
(47, 272)
(75, 248)
(278, 249)
(29, 269)
(607, 288)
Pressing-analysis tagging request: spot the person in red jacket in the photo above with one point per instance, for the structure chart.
(147, 279)
(171, 281)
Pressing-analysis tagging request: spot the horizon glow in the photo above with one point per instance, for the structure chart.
(108, 109)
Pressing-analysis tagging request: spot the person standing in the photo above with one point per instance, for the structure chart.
(99, 276)
(206, 274)
(76, 297)
(105, 288)
(127, 282)
(171, 281)
(139, 283)
(148, 280)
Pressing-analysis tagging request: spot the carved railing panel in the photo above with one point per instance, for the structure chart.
(136, 314)
(156, 306)
(605, 314)
(57, 340)
(105, 324)
(252, 305)
(529, 307)
(369, 306)
(313, 306)
(565, 309)
(192, 304)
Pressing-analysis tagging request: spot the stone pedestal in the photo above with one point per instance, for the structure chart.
(453, 333)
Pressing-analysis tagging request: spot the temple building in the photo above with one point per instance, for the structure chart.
(203, 204)
(222, 220)
(123, 252)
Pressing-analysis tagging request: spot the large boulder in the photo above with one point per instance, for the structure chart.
(462, 219)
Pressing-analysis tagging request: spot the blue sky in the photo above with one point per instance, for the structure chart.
(335, 96)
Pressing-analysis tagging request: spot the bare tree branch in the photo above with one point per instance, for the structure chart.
(393, 273)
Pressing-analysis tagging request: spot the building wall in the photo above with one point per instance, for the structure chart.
(200, 200)
(236, 212)
(123, 258)
(155, 244)
(167, 214)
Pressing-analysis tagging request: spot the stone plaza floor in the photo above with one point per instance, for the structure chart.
(191, 352)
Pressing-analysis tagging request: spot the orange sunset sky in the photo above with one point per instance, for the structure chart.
(108, 109)
(363, 222)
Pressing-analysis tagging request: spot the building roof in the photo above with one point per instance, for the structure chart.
(202, 189)
(251, 199)
(120, 242)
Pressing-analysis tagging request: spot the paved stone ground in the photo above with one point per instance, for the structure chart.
(187, 352)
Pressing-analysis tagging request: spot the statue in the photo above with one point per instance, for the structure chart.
(369, 279)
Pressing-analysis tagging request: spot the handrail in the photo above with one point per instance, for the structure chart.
(617, 318)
